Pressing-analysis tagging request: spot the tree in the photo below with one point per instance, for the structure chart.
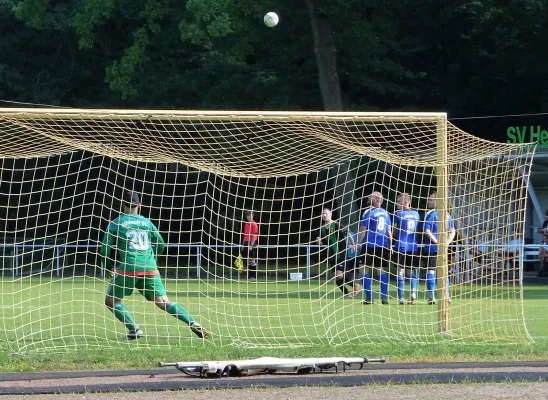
(469, 58)
(476, 57)
(326, 58)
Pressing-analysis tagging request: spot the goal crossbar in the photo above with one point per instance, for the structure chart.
(61, 113)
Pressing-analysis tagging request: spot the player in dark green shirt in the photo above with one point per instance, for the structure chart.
(335, 237)
(137, 242)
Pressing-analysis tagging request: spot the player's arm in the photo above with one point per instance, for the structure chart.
(350, 238)
(342, 232)
(452, 231)
(321, 239)
(361, 233)
(106, 247)
(427, 229)
(364, 224)
(430, 236)
(389, 234)
(157, 241)
(451, 235)
(396, 227)
(389, 230)
(428, 232)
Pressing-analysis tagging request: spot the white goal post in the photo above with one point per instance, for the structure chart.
(198, 173)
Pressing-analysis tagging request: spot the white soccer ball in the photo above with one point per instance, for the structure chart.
(271, 19)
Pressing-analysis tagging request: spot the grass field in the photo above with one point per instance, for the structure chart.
(63, 325)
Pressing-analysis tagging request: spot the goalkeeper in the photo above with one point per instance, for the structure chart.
(138, 241)
(335, 236)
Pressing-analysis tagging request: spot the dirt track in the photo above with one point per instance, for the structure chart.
(515, 381)
(522, 391)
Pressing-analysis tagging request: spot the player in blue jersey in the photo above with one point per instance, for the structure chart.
(406, 248)
(430, 249)
(374, 237)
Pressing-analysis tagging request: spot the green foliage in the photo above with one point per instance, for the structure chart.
(154, 12)
(119, 75)
(33, 11)
(94, 13)
(211, 19)
(476, 56)
(11, 81)
(146, 20)
(44, 15)
(469, 57)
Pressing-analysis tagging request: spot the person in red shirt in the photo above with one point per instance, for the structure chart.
(249, 245)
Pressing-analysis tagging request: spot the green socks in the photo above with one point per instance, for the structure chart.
(179, 312)
(122, 313)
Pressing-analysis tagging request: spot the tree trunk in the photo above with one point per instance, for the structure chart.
(326, 59)
(342, 179)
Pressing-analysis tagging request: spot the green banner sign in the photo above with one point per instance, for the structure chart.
(527, 134)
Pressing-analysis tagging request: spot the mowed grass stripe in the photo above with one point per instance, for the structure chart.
(280, 319)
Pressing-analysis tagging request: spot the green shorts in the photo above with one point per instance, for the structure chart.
(149, 286)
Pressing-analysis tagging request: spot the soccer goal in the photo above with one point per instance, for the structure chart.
(254, 187)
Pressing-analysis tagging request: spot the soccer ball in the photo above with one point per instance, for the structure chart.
(271, 19)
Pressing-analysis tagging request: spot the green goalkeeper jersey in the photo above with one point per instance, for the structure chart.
(137, 241)
(334, 236)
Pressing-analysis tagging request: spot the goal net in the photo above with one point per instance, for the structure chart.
(198, 174)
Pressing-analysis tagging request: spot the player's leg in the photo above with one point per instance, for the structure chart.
(543, 262)
(367, 262)
(152, 288)
(247, 256)
(355, 288)
(431, 277)
(449, 275)
(347, 272)
(479, 267)
(452, 269)
(252, 263)
(340, 280)
(515, 269)
(338, 270)
(179, 312)
(476, 261)
(345, 275)
(360, 272)
(383, 261)
(415, 262)
(334, 267)
(119, 287)
(399, 259)
(350, 279)
(351, 274)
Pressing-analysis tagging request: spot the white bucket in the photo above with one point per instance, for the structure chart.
(295, 276)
